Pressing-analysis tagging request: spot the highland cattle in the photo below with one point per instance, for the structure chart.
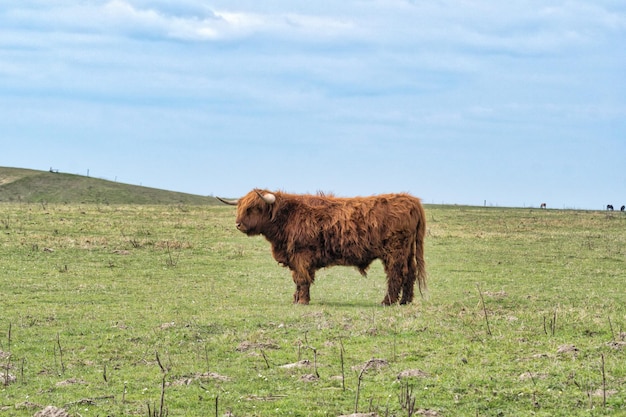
(308, 232)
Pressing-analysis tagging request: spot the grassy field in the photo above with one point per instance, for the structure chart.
(44, 187)
(112, 310)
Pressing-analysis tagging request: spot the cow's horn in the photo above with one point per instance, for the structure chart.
(269, 198)
(229, 202)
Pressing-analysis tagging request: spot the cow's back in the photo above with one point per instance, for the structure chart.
(355, 231)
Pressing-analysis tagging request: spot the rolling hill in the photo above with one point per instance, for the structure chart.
(32, 186)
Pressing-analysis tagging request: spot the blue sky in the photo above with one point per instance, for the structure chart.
(460, 102)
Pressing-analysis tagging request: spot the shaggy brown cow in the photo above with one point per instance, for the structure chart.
(309, 232)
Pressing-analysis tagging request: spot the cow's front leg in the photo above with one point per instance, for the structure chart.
(296, 295)
(303, 281)
(301, 296)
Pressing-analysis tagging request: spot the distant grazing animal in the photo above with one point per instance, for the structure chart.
(544, 205)
(309, 232)
(623, 208)
(609, 207)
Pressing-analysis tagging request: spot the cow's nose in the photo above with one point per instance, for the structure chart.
(238, 225)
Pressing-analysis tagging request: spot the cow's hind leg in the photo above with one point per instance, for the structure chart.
(394, 271)
(408, 283)
(401, 269)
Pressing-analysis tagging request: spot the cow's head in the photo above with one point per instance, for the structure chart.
(255, 211)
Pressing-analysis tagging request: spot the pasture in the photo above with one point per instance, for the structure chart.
(112, 310)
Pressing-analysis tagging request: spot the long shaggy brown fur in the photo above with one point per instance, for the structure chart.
(309, 232)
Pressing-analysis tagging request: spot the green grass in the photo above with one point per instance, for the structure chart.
(91, 293)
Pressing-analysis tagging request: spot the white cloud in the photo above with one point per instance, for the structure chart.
(122, 11)
(126, 17)
(517, 27)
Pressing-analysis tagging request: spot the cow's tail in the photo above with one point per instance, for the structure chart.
(419, 250)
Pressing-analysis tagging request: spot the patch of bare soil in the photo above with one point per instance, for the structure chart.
(413, 373)
(532, 376)
(264, 398)
(246, 346)
(373, 363)
(567, 349)
(421, 412)
(6, 378)
(616, 344)
(360, 415)
(602, 393)
(70, 381)
(427, 412)
(497, 294)
(52, 411)
(536, 356)
(27, 404)
(300, 364)
(309, 378)
(187, 380)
